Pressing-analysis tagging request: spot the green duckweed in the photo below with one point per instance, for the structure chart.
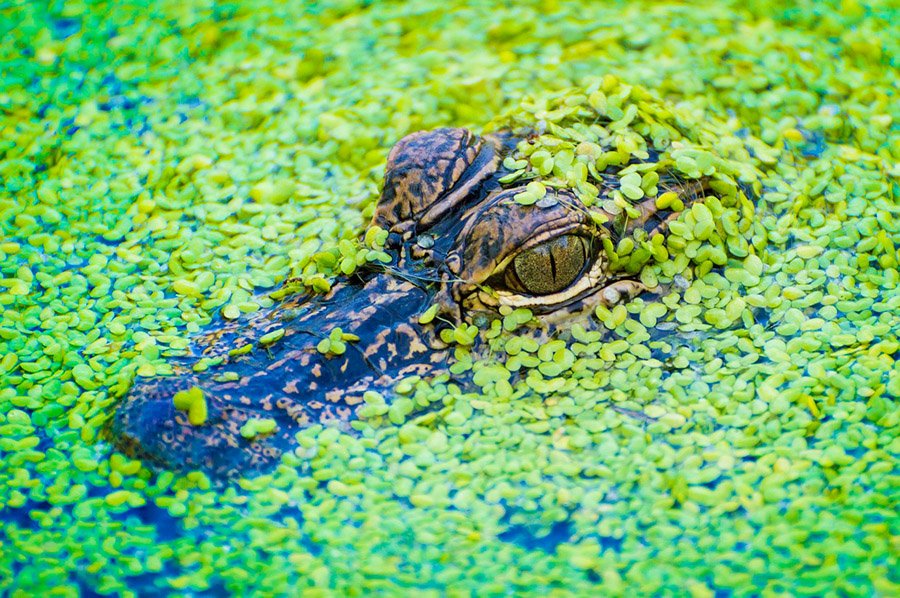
(256, 427)
(736, 436)
(194, 402)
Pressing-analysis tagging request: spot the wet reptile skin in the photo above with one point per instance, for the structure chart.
(454, 233)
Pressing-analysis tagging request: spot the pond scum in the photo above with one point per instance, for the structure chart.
(161, 167)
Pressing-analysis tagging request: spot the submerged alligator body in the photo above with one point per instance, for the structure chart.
(460, 237)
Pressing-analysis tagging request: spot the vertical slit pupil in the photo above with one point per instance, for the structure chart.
(551, 266)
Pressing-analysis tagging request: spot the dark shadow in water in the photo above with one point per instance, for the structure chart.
(524, 535)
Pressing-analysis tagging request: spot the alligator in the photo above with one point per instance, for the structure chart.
(466, 240)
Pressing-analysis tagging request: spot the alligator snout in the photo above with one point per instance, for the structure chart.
(310, 363)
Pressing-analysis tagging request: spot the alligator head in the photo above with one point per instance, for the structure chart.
(461, 240)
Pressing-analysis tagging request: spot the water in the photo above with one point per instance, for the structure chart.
(158, 166)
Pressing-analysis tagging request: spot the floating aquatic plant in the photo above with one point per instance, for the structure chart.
(161, 168)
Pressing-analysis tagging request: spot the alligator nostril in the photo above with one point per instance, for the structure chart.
(147, 421)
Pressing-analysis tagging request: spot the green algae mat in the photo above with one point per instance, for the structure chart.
(165, 167)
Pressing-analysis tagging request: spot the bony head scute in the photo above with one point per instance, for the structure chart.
(428, 173)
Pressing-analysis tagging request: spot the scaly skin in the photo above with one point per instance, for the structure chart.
(454, 233)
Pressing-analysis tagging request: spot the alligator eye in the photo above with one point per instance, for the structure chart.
(549, 267)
